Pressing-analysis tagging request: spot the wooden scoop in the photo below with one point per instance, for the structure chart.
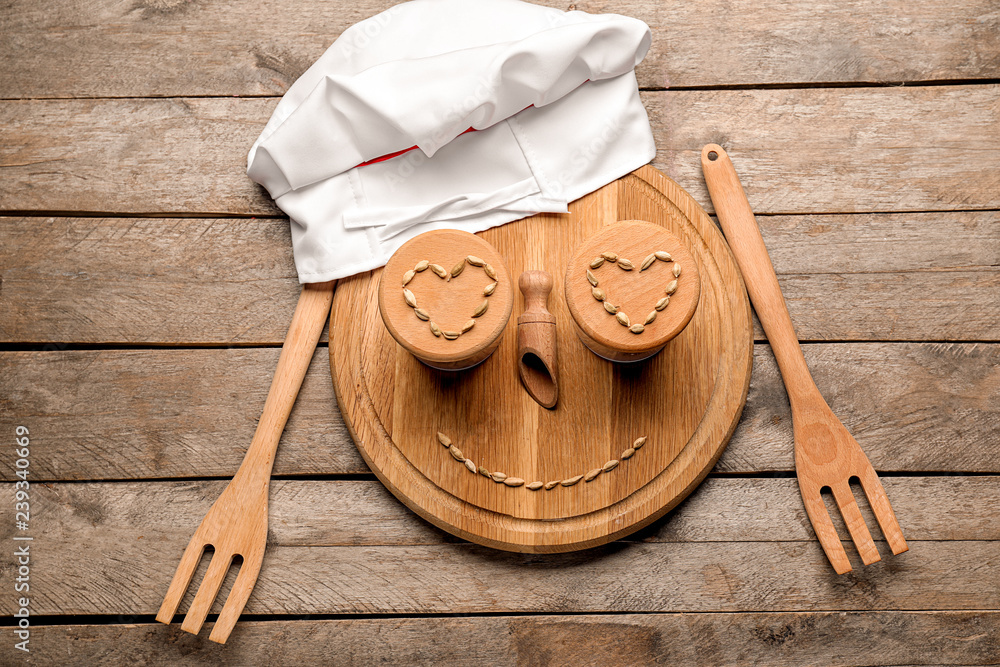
(536, 340)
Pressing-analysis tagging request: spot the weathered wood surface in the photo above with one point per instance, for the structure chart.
(133, 414)
(347, 546)
(325, 513)
(155, 48)
(909, 276)
(880, 149)
(131, 577)
(781, 639)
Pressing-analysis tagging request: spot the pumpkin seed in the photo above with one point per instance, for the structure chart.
(513, 481)
(457, 269)
(598, 293)
(411, 300)
(475, 261)
(637, 328)
(662, 303)
(610, 465)
(481, 309)
(489, 289)
(663, 256)
(671, 287)
(592, 475)
(408, 276)
(421, 265)
(622, 319)
(648, 262)
(597, 262)
(422, 314)
(591, 279)
(625, 264)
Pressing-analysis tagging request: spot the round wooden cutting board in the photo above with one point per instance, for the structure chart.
(685, 401)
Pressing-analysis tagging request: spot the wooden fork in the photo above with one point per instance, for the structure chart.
(826, 455)
(236, 525)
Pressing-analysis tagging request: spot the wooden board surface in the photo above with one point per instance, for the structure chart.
(684, 402)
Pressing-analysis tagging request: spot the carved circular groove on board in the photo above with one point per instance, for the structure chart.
(687, 399)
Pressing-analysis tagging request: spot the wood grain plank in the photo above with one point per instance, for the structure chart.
(135, 414)
(130, 576)
(838, 150)
(363, 513)
(884, 149)
(229, 281)
(780, 639)
(58, 48)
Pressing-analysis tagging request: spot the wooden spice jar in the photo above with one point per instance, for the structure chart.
(631, 288)
(446, 297)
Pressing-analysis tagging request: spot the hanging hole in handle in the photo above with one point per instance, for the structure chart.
(713, 156)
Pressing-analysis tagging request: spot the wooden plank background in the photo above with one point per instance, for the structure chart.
(146, 284)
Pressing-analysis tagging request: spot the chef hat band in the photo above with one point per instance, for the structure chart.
(450, 114)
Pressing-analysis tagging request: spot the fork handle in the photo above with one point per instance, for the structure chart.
(296, 354)
(740, 227)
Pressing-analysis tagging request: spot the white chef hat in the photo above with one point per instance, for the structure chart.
(460, 114)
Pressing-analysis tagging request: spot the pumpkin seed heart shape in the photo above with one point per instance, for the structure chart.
(625, 264)
(446, 275)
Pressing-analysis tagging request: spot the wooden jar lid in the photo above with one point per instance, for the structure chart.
(635, 292)
(451, 302)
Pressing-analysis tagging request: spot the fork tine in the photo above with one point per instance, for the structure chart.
(181, 580)
(883, 511)
(207, 591)
(237, 599)
(855, 523)
(825, 532)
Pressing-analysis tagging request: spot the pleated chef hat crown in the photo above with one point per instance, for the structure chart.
(460, 114)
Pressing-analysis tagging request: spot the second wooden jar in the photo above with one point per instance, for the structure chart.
(631, 288)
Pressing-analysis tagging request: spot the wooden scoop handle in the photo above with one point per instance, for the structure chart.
(743, 235)
(536, 339)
